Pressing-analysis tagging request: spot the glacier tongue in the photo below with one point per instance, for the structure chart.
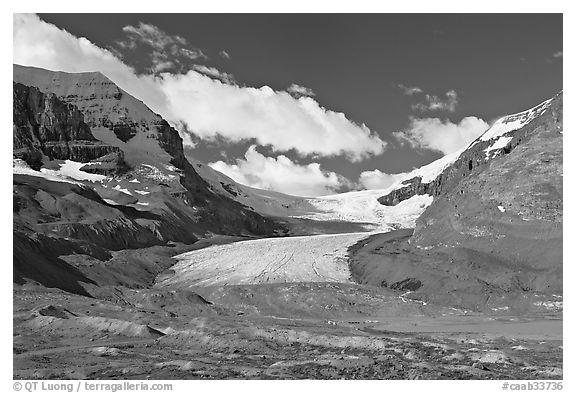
(319, 258)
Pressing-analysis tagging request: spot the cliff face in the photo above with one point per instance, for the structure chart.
(44, 125)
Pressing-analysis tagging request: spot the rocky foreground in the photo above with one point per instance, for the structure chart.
(137, 325)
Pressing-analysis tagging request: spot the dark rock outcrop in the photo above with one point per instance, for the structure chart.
(107, 165)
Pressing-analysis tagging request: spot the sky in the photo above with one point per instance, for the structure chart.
(312, 104)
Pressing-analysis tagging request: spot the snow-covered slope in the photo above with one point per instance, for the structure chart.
(363, 207)
(430, 172)
(514, 122)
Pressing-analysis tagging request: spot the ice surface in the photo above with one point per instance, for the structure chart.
(363, 207)
(317, 258)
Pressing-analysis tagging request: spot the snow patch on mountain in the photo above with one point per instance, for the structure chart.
(514, 122)
(153, 173)
(20, 167)
(72, 169)
(499, 144)
(123, 190)
(68, 171)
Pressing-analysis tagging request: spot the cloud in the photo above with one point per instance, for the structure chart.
(443, 136)
(167, 52)
(377, 180)
(274, 118)
(214, 73)
(224, 54)
(299, 91)
(557, 54)
(409, 91)
(431, 102)
(207, 106)
(435, 103)
(281, 174)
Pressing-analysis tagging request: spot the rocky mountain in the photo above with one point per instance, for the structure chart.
(504, 135)
(95, 170)
(492, 237)
(502, 200)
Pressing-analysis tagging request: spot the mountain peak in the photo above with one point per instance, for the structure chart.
(43, 72)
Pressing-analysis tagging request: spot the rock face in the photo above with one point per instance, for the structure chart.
(44, 125)
(135, 189)
(101, 101)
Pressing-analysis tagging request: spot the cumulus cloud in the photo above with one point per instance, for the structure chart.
(299, 91)
(167, 52)
(281, 174)
(273, 118)
(557, 54)
(409, 91)
(224, 54)
(435, 103)
(209, 107)
(441, 135)
(377, 180)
